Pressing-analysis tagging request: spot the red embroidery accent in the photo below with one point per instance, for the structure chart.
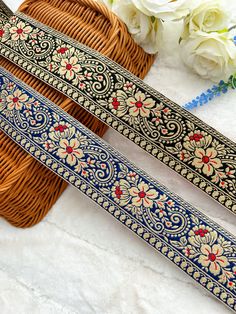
(201, 232)
(212, 257)
(142, 194)
(196, 137)
(182, 156)
(205, 159)
(115, 103)
(19, 31)
(68, 66)
(118, 192)
(1, 32)
(139, 104)
(62, 50)
(60, 128)
(69, 149)
(188, 251)
(15, 99)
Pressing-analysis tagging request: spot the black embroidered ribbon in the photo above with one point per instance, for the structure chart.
(196, 244)
(169, 133)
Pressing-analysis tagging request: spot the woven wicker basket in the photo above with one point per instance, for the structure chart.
(27, 189)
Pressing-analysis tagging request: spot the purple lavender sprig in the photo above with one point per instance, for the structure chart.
(211, 93)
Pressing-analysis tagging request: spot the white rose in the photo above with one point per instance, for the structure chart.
(212, 56)
(144, 29)
(209, 16)
(165, 9)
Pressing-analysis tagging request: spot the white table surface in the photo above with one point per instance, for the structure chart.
(80, 260)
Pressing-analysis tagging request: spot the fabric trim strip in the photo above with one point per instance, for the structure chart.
(165, 130)
(193, 242)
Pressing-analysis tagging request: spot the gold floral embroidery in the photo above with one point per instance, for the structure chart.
(143, 195)
(196, 139)
(212, 258)
(206, 160)
(69, 150)
(16, 100)
(20, 31)
(69, 67)
(140, 105)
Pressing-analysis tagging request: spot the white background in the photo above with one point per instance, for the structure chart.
(80, 260)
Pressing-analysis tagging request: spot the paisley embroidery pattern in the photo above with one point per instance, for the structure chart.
(166, 131)
(197, 245)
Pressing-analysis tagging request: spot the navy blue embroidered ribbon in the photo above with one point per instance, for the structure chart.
(169, 133)
(197, 245)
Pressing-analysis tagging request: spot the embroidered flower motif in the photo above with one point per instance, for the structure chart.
(69, 150)
(157, 120)
(189, 252)
(206, 160)
(48, 145)
(117, 103)
(132, 176)
(129, 86)
(230, 172)
(200, 231)
(62, 52)
(69, 67)
(201, 235)
(61, 130)
(184, 155)
(81, 166)
(197, 139)
(16, 100)
(10, 86)
(20, 31)
(140, 105)
(212, 258)
(143, 195)
(120, 192)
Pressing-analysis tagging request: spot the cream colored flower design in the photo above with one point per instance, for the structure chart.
(60, 130)
(16, 100)
(120, 192)
(20, 31)
(184, 155)
(206, 160)
(69, 150)
(213, 258)
(117, 103)
(69, 67)
(202, 235)
(140, 105)
(143, 195)
(197, 139)
(62, 52)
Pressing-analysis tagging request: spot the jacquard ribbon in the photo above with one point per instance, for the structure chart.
(174, 136)
(193, 242)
